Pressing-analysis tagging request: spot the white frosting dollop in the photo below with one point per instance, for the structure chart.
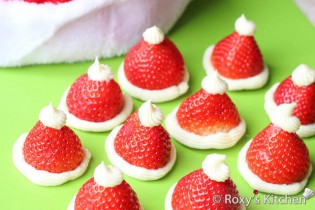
(303, 75)
(107, 176)
(100, 72)
(52, 117)
(213, 84)
(245, 27)
(283, 118)
(153, 35)
(215, 168)
(150, 115)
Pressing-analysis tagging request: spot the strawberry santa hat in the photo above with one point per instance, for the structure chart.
(277, 160)
(95, 102)
(51, 153)
(106, 190)
(205, 188)
(298, 88)
(237, 58)
(154, 69)
(208, 118)
(141, 147)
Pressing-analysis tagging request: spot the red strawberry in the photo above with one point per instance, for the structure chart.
(303, 96)
(53, 150)
(154, 66)
(94, 196)
(277, 156)
(197, 191)
(237, 57)
(204, 113)
(147, 147)
(47, 1)
(95, 101)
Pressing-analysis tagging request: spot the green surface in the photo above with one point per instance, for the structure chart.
(285, 37)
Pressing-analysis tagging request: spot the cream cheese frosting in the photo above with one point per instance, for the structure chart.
(256, 183)
(150, 115)
(213, 84)
(162, 95)
(85, 125)
(270, 105)
(132, 170)
(253, 82)
(282, 117)
(219, 140)
(153, 35)
(245, 27)
(215, 168)
(303, 75)
(41, 177)
(107, 176)
(100, 72)
(52, 117)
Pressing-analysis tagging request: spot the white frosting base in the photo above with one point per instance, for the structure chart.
(270, 106)
(85, 125)
(41, 177)
(132, 170)
(253, 82)
(72, 202)
(169, 195)
(215, 141)
(256, 183)
(162, 95)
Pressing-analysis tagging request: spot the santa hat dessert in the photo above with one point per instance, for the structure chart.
(141, 147)
(298, 88)
(106, 190)
(237, 58)
(204, 189)
(51, 153)
(208, 118)
(277, 160)
(58, 31)
(95, 101)
(154, 69)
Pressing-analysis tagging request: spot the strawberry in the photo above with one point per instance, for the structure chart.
(237, 57)
(53, 150)
(94, 196)
(154, 66)
(95, 101)
(204, 113)
(303, 96)
(147, 147)
(47, 1)
(277, 156)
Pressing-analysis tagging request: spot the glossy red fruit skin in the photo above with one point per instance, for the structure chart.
(197, 191)
(94, 196)
(53, 150)
(205, 114)
(237, 57)
(278, 157)
(154, 66)
(94, 101)
(304, 97)
(142, 146)
(47, 1)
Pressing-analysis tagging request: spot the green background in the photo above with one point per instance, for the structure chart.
(286, 39)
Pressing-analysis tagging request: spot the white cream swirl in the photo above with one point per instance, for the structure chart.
(213, 84)
(283, 118)
(245, 27)
(150, 115)
(107, 176)
(215, 168)
(303, 75)
(153, 35)
(52, 117)
(100, 72)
